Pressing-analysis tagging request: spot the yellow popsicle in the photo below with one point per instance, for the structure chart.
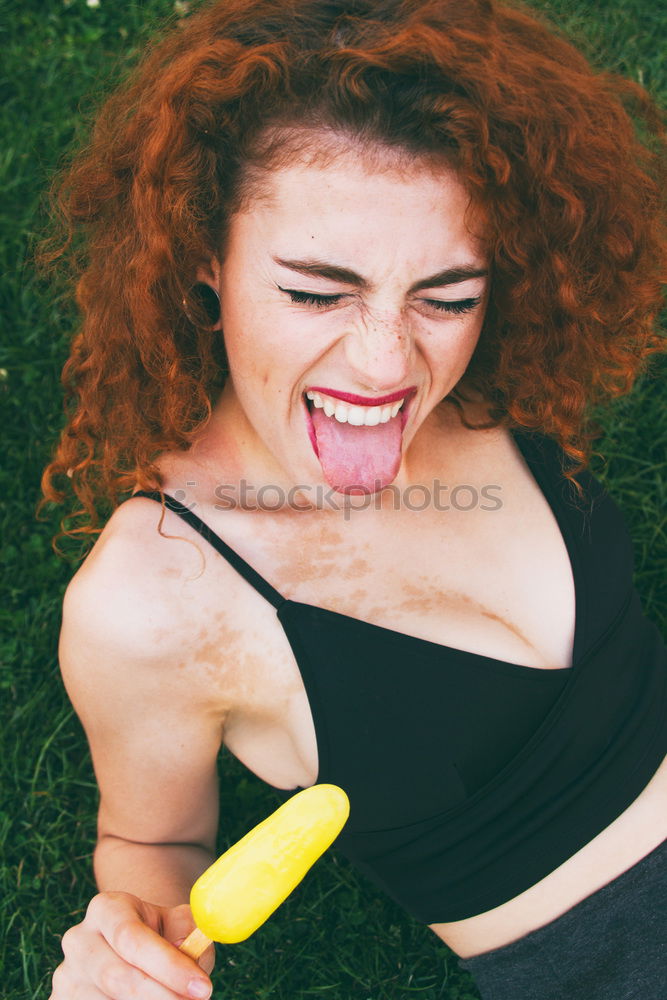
(249, 881)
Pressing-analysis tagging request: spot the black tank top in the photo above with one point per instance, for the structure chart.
(471, 778)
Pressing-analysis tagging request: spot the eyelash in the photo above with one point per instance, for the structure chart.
(322, 301)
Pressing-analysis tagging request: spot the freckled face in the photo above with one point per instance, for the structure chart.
(350, 278)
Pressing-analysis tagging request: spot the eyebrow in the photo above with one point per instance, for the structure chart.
(332, 272)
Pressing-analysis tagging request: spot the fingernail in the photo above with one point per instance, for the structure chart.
(200, 989)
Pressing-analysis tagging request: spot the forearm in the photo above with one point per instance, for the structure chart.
(158, 873)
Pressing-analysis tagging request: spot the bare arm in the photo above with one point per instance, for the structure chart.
(154, 737)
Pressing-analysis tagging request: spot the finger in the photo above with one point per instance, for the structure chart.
(119, 981)
(94, 971)
(66, 986)
(144, 949)
(206, 960)
(178, 923)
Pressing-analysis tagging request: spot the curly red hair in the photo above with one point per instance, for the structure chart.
(571, 189)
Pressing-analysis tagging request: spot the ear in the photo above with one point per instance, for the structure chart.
(210, 273)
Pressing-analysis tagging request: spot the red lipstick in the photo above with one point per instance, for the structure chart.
(350, 397)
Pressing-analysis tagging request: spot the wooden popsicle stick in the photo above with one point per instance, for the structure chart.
(195, 944)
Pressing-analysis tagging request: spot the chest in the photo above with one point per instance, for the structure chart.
(484, 569)
(478, 564)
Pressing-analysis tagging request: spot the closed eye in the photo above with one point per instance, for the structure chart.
(311, 299)
(456, 308)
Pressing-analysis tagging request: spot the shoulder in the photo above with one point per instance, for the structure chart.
(131, 583)
(140, 606)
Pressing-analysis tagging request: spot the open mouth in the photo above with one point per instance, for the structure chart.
(359, 447)
(358, 416)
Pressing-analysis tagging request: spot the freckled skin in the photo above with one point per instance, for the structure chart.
(393, 226)
(364, 566)
(424, 601)
(318, 556)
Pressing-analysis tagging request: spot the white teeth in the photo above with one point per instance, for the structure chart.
(358, 416)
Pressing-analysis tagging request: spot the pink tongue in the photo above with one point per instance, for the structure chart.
(357, 459)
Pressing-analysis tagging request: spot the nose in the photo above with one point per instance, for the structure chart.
(379, 350)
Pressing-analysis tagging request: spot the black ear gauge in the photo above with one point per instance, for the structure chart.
(202, 300)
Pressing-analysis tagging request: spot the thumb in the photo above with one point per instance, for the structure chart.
(178, 924)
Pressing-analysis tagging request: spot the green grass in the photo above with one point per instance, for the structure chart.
(336, 937)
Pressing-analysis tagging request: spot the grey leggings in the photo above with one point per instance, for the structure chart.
(610, 946)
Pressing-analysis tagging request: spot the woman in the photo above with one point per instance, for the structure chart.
(354, 274)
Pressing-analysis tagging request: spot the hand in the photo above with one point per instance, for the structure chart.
(124, 949)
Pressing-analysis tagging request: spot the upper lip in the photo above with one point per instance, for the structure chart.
(350, 397)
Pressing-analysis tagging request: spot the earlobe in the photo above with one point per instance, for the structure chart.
(202, 304)
(207, 300)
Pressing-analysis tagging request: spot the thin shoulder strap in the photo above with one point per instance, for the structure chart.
(239, 564)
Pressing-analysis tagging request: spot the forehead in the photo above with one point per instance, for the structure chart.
(337, 186)
(305, 152)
